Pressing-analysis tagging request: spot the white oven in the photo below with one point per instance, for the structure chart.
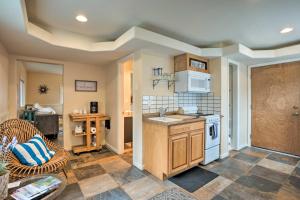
(192, 81)
(212, 139)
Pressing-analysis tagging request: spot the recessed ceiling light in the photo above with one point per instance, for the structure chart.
(286, 30)
(81, 18)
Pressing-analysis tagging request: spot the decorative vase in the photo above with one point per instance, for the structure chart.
(4, 178)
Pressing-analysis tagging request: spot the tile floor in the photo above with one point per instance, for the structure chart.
(248, 174)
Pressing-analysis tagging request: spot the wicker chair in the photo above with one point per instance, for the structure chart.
(23, 131)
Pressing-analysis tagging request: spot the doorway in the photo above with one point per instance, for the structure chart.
(275, 107)
(125, 104)
(40, 97)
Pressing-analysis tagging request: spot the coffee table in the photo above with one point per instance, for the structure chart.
(51, 196)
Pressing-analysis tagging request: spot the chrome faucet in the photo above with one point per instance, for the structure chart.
(162, 111)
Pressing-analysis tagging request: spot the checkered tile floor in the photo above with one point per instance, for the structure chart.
(247, 174)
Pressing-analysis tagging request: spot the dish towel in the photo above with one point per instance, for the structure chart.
(215, 135)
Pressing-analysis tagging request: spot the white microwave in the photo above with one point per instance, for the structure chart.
(192, 81)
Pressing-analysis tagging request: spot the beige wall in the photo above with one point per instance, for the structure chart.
(12, 87)
(17, 72)
(4, 62)
(149, 61)
(113, 106)
(72, 100)
(80, 100)
(215, 71)
(53, 97)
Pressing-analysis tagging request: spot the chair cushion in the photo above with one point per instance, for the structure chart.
(34, 152)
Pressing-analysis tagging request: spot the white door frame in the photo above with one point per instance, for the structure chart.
(120, 149)
(250, 92)
(235, 144)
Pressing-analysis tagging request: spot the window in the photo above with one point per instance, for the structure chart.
(22, 93)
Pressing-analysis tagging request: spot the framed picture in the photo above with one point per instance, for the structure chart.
(85, 86)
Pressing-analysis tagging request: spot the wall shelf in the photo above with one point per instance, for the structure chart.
(81, 134)
(166, 77)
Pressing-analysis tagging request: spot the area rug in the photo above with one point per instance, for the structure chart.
(193, 179)
(173, 194)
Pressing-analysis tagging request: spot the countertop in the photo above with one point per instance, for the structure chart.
(184, 121)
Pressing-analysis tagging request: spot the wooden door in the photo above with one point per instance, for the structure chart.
(178, 152)
(196, 147)
(276, 107)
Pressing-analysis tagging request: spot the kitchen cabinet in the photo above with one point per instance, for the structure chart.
(171, 149)
(196, 146)
(178, 152)
(190, 62)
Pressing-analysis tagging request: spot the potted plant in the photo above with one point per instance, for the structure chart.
(5, 148)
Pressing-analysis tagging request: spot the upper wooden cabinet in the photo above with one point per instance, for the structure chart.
(190, 62)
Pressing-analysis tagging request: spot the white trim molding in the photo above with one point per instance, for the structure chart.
(224, 155)
(275, 62)
(136, 38)
(112, 148)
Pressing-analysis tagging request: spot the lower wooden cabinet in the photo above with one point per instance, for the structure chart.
(178, 152)
(185, 150)
(169, 150)
(196, 147)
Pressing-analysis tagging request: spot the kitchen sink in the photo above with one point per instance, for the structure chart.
(165, 119)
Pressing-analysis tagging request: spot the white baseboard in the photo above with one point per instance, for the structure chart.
(224, 155)
(140, 166)
(112, 148)
(242, 146)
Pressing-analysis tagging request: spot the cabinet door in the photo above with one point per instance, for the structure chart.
(178, 152)
(196, 147)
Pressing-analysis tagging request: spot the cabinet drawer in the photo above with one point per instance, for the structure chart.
(185, 127)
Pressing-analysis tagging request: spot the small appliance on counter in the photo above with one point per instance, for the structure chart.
(78, 129)
(212, 133)
(94, 107)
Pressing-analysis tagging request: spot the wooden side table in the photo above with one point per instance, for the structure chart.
(88, 118)
(53, 195)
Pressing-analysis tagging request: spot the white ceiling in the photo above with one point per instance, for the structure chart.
(197, 22)
(43, 67)
(14, 37)
(254, 23)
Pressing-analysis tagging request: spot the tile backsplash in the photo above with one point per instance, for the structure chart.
(207, 102)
